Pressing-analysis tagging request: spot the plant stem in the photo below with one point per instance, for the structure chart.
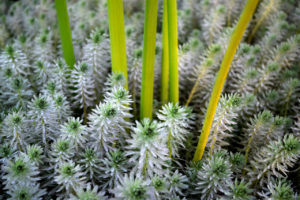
(173, 51)
(169, 144)
(65, 32)
(261, 19)
(222, 74)
(148, 59)
(287, 104)
(18, 141)
(164, 91)
(231, 4)
(250, 142)
(117, 37)
(145, 163)
(194, 89)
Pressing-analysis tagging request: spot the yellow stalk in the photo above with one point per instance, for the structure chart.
(117, 37)
(222, 74)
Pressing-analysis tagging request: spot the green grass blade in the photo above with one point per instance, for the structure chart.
(117, 37)
(222, 74)
(164, 91)
(173, 51)
(65, 32)
(148, 58)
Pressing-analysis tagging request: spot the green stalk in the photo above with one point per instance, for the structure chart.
(173, 51)
(222, 74)
(65, 32)
(117, 37)
(148, 59)
(164, 92)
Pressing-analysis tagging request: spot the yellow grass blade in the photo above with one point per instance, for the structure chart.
(222, 74)
(117, 37)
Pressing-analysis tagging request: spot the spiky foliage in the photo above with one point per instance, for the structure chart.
(69, 177)
(213, 25)
(276, 31)
(267, 9)
(148, 146)
(214, 177)
(41, 112)
(84, 87)
(288, 94)
(227, 112)
(279, 189)
(16, 60)
(14, 130)
(107, 122)
(188, 58)
(121, 96)
(176, 120)
(282, 57)
(274, 159)
(177, 184)
(237, 161)
(113, 167)
(43, 72)
(132, 188)
(97, 55)
(38, 86)
(74, 132)
(202, 73)
(115, 80)
(160, 186)
(6, 152)
(135, 78)
(240, 191)
(243, 73)
(43, 46)
(296, 128)
(61, 151)
(60, 79)
(90, 163)
(16, 90)
(20, 171)
(62, 108)
(250, 107)
(256, 130)
(26, 191)
(35, 154)
(192, 174)
(88, 192)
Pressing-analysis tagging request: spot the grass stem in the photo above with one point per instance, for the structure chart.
(65, 32)
(148, 58)
(164, 92)
(261, 19)
(222, 74)
(117, 37)
(173, 51)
